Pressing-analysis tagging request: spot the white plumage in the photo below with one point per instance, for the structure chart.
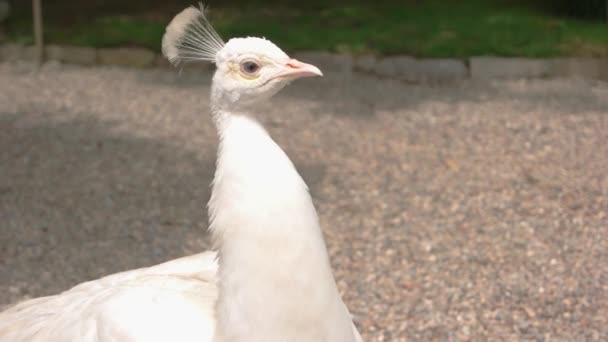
(274, 281)
(173, 301)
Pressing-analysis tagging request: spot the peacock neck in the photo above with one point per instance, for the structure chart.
(274, 275)
(219, 117)
(224, 106)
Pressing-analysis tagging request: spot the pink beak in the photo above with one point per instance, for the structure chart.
(297, 69)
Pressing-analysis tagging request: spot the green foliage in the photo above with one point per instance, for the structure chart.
(430, 28)
(106, 31)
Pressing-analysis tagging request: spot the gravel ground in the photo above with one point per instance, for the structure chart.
(471, 211)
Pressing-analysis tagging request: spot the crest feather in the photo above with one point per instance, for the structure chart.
(190, 37)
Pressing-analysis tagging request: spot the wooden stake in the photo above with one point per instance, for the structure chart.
(38, 35)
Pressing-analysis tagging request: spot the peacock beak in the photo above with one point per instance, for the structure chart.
(297, 69)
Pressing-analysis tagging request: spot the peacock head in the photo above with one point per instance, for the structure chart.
(248, 69)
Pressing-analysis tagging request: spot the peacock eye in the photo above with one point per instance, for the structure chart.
(250, 67)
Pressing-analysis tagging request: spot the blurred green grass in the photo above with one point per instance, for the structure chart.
(431, 28)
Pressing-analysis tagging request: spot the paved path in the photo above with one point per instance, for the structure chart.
(469, 211)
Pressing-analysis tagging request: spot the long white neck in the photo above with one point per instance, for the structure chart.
(275, 280)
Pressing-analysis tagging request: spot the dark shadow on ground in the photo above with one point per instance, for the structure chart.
(77, 199)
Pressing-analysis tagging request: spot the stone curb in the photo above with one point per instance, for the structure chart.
(129, 57)
(414, 70)
(71, 54)
(404, 68)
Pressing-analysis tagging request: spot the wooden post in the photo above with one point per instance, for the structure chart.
(38, 35)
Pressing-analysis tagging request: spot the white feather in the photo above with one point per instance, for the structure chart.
(173, 301)
(190, 37)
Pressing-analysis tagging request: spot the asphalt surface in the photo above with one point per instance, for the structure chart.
(466, 211)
